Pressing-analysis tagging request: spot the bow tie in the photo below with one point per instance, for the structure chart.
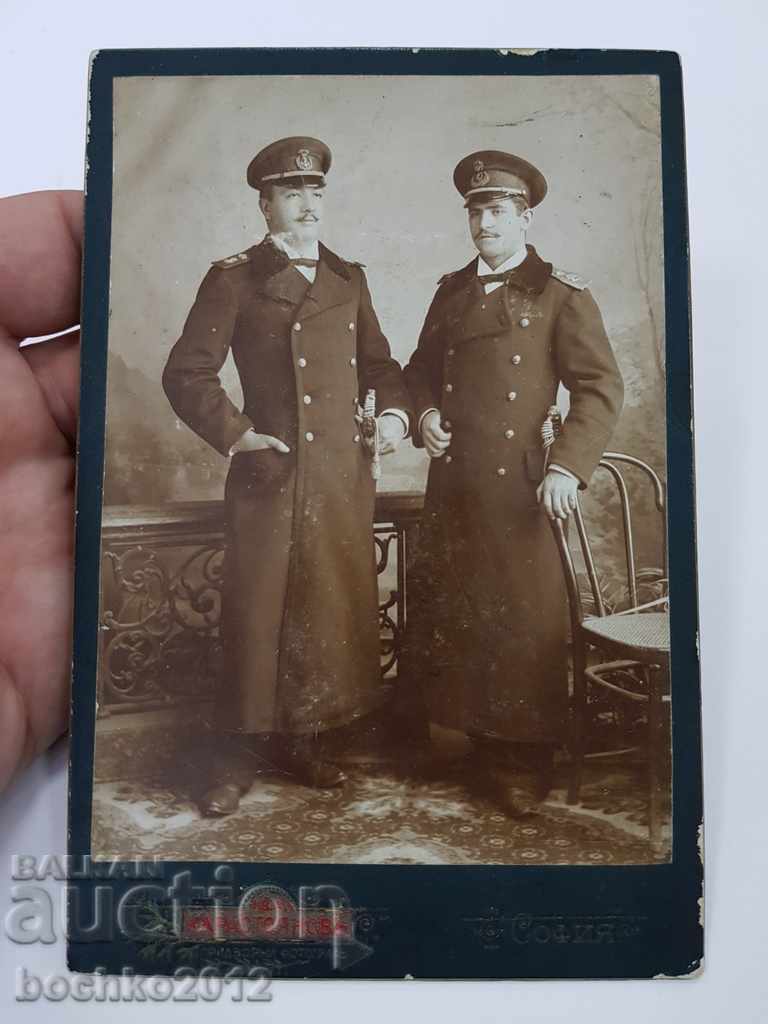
(488, 278)
(301, 262)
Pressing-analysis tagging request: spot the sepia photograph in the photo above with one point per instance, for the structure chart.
(383, 546)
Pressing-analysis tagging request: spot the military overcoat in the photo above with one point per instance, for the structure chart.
(487, 615)
(300, 604)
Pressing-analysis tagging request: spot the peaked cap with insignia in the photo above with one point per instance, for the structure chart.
(298, 156)
(490, 170)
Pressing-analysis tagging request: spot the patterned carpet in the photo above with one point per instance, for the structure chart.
(382, 816)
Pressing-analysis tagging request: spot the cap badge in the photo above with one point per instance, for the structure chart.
(480, 177)
(304, 160)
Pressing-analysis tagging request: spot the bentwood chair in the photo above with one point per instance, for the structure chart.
(630, 647)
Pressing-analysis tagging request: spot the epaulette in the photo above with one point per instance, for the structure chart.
(354, 263)
(572, 280)
(447, 277)
(232, 261)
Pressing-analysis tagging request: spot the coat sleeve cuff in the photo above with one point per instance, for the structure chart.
(561, 469)
(402, 416)
(233, 449)
(235, 431)
(432, 408)
(572, 470)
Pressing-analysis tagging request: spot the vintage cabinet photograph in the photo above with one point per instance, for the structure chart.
(383, 550)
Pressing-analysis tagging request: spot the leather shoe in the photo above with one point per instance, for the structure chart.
(222, 799)
(518, 776)
(515, 793)
(301, 758)
(316, 774)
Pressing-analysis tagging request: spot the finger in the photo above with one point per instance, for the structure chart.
(56, 366)
(548, 504)
(276, 443)
(40, 245)
(554, 501)
(539, 490)
(443, 435)
(561, 508)
(16, 733)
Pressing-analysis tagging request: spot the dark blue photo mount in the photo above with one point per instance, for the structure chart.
(390, 921)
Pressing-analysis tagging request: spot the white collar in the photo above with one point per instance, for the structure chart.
(280, 243)
(514, 261)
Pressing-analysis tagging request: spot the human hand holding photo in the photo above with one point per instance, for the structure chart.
(40, 254)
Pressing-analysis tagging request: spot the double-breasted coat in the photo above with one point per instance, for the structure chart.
(299, 618)
(487, 614)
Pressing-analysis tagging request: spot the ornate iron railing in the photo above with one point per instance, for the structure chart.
(161, 597)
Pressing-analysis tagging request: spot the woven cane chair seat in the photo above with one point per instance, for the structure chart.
(645, 631)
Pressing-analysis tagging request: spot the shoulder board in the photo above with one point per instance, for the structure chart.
(447, 277)
(232, 261)
(572, 280)
(354, 263)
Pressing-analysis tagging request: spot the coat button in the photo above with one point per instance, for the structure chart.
(516, 360)
(450, 351)
(353, 361)
(509, 434)
(511, 396)
(446, 424)
(309, 436)
(449, 458)
(524, 321)
(297, 326)
(482, 305)
(351, 326)
(501, 471)
(449, 387)
(307, 399)
(302, 362)
(356, 438)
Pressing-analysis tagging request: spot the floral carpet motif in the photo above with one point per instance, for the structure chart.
(380, 817)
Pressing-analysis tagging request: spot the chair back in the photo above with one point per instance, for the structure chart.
(608, 464)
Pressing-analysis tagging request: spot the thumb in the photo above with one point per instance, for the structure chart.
(276, 443)
(539, 490)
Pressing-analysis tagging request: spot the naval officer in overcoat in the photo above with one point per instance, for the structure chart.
(299, 618)
(487, 615)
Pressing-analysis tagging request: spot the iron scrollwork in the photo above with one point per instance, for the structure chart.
(161, 602)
